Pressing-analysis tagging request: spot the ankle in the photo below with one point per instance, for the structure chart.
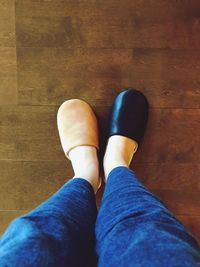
(110, 163)
(119, 152)
(85, 164)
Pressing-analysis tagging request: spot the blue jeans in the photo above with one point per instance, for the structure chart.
(132, 228)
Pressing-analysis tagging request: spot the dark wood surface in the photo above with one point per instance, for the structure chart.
(51, 51)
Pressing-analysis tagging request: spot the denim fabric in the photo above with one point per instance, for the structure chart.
(58, 233)
(133, 228)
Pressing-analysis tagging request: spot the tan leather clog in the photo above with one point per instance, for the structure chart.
(77, 125)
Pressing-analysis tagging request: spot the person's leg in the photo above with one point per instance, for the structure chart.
(60, 232)
(133, 227)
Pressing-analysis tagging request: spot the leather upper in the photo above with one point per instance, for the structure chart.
(129, 115)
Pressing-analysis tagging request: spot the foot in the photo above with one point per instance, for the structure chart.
(119, 152)
(85, 164)
(77, 125)
(128, 121)
(78, 130)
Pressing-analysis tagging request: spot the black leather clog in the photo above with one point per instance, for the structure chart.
(129, 115)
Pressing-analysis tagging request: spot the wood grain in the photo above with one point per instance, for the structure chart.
(24, 185)
(169, 78)
(172, 136)
(8, 76)
(176, 184)
(108, 24)
(7, 23)
(30, 133)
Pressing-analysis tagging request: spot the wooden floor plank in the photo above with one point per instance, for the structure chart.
(24, 185)
(71, 74)
(35, 124)
(108, 24)
(169, 78)
(8, 76)
(171, 182)
(30, 133)
(7, 23)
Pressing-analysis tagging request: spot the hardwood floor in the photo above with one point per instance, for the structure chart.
(53, 50)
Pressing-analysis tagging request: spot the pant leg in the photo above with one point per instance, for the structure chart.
(60, 232)
(134, 228)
